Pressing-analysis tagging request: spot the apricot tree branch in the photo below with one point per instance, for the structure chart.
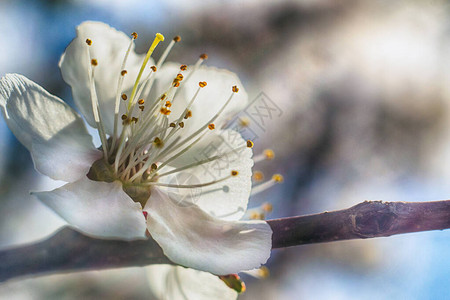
(69, 250)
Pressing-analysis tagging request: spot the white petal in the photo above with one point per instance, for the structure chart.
(97, 208)
(53, 132)
(178, 283)
(210, 98)
(108, 47)
(226, 199)
(192, 238)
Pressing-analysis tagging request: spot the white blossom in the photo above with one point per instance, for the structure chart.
(171, 123)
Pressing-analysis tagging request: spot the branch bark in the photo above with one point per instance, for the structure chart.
(69, 250)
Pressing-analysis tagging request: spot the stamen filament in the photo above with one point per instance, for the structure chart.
(95, 105)
(201, 162)
(166, 52)
(119, 91)
(189, 185)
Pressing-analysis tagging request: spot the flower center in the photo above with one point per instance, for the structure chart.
(140, 151)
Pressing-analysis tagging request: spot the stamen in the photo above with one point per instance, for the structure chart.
(267, 154)
(258, 176)
(276, 178)
(167, 51)
(124, 97)
(94, 101)
(202, 58)
(250, 144)
(119, 89)
(257, 216)
(188, 186)
(211, 126)
(201, 162)
(267, 207)
(193, 135)
(244, 122)
(260, 273)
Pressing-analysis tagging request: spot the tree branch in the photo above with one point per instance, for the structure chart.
(68, 250)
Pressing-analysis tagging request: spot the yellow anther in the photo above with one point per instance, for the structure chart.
(123, 72)
(163, 96)
(244, 122)
(124, 97)
(277, 178)
(235, 89)
(258, 176)
(134, 35)
(94, 62)
(263, 272)
(211, 126)
(183, 68)
(202, 84)
(188, 114)
(176, 39)
(269, 154)
(181, 124)
(124, 117)
(88, 42)
(165, 111)
(180, 77)
(141, 101)
(153, 68)
(176, 83)
(204, 56)
(267, 207)
(158, 142)
(234, 173)
(250, 144)
(234, 282)
(168, 104)
(257, 216)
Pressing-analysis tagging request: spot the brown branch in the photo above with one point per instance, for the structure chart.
(68, 250)
(365, 220)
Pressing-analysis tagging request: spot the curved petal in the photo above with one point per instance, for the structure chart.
(225, 199)
(193, 238)
(108, 47)
(53, 132)
(210, 98)
(97, 208)
(178, 283)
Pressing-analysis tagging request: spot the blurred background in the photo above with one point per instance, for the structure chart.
(360, 100)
